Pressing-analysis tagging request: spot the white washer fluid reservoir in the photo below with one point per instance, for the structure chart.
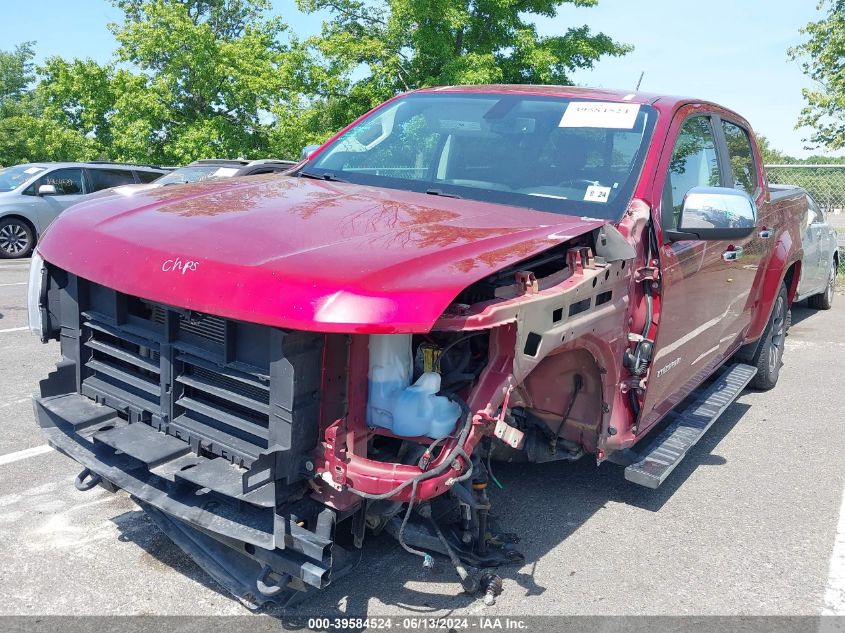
(390, 372)
(419, 411)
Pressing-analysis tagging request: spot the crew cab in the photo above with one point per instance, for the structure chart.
(275, 368)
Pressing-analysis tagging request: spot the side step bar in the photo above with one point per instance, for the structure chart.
(659, 458)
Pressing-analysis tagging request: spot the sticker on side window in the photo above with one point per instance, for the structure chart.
(595, 193)
(600, 114)
(225, 172)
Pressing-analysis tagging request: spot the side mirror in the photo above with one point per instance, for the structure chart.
(308, 150)
(47, 190)
(715, 213)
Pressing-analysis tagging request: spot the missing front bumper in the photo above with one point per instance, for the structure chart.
(241, 544)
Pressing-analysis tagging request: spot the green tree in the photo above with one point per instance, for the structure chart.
(191, 79)
(407, 44)
(27, 132)
(16, 72)
(211, 72)
(821, 57)
(201, 78)
(79, 95)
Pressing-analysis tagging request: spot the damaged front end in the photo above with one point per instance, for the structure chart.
(268, 454)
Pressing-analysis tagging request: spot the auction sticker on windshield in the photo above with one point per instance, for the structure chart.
(600, 114)
(595, 193)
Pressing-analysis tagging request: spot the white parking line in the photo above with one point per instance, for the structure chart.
(24, 454)
(17, 283)
(14, 329)
(834, 595)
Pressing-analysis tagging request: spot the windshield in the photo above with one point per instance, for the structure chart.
(553, 154)
(195, 173)
(13, 177)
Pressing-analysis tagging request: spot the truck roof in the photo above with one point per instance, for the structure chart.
(662, 102)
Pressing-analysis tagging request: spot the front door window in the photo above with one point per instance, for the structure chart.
(695, 162)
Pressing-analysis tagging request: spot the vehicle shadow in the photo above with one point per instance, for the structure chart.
(801, 311)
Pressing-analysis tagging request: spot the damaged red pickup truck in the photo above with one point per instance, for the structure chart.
(275, 367)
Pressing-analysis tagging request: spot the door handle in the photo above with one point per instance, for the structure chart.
(732, 254)
(766, 234)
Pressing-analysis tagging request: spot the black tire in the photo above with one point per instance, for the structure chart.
(824, 300)
(17, 239)
(768, 357)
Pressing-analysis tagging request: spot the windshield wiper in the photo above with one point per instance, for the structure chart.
(440, 192)
(329, 177)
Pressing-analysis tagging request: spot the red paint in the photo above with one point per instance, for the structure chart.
(298, 253)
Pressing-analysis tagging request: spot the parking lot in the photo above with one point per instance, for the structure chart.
(749, 523)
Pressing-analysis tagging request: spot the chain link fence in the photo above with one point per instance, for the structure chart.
(825, 183)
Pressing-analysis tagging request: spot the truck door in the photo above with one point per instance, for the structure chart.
(751, 254)
(699, 297)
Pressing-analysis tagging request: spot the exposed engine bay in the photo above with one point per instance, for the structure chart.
(269, 455)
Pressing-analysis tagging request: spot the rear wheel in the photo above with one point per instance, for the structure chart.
(768, 357)
(824, 300)
(16, 238)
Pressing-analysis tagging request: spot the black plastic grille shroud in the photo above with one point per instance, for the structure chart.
(202, 378)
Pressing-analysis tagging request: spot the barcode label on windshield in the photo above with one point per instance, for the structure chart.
(600, 114)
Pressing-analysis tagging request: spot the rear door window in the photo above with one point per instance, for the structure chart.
(695, 162)
(741, 156)
(104, 178)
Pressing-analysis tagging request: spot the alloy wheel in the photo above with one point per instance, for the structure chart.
(778, 334)
(14, 239)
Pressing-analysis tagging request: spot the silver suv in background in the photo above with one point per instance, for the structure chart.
(33, 194)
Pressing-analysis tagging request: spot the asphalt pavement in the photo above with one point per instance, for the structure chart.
(747, 524)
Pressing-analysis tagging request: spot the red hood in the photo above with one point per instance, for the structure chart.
(298, 253)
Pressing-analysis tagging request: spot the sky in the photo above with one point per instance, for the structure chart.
(733, 52)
